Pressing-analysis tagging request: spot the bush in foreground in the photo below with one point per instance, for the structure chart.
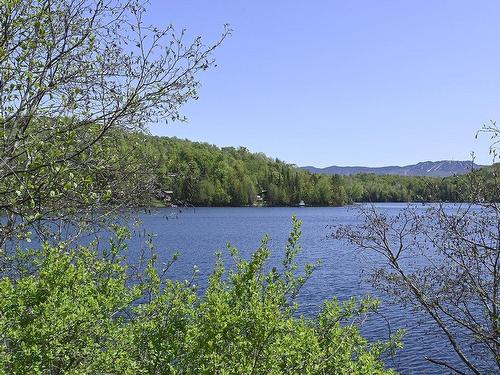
(75, 311)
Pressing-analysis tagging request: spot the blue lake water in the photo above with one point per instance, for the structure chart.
(198, 233)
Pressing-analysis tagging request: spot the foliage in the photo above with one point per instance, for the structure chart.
(203, 174)
(71, 73)
(79, 80)
(76, 312)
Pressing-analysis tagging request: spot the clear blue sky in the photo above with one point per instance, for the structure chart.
(344, 82)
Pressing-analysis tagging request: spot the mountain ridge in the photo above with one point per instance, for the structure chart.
(441, 168)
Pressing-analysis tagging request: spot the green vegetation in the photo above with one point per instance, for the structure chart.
(79, 81)
(76, 313)
(203, 174)
(71, 74)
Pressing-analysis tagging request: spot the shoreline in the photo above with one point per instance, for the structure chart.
(306, 206)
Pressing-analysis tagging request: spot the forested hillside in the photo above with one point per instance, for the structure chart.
(203, 174)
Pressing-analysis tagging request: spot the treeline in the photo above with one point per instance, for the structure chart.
(206, 175)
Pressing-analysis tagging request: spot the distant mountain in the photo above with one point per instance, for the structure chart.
(426, 168)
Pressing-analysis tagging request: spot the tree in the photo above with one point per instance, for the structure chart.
(454, 275)
(72, 74)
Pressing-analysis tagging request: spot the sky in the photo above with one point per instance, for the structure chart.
(322, 83)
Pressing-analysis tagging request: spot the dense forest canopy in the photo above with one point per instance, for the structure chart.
(206, 175)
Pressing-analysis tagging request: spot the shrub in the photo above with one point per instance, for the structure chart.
(77, 311)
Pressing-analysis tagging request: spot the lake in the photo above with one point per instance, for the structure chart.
(198, 232)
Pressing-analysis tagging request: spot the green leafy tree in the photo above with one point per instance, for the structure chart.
(72, 73)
